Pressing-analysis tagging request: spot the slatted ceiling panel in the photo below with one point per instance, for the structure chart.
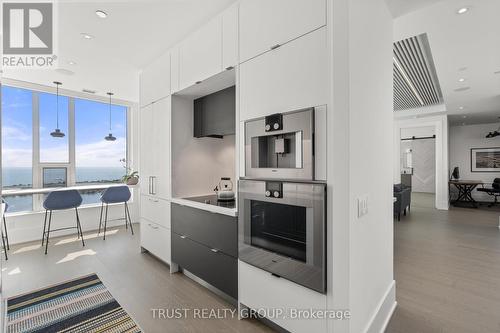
(415, 80)
(404, 98)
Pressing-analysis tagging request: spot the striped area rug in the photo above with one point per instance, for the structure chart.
(81, 305)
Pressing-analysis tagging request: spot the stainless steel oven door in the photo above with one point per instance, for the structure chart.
(286, 153)
(282, 229)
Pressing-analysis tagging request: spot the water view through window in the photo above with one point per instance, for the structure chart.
(96, 161)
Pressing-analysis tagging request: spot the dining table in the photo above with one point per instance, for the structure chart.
(465, 188)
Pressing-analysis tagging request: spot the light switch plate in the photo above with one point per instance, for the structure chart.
(362, 205)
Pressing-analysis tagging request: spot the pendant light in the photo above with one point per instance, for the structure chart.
(57, 132)
(110, 137)
(493, 134)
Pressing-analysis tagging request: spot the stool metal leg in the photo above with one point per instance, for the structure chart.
(44, 226)
(4, 248)
(129, 219)
(79, 225)
(100, 218)
(48, 233)
(6, 234)
(105, 222)
(125, 209)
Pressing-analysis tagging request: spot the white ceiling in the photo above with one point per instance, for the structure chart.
(463, 46)
(133, 34)
(401, 7)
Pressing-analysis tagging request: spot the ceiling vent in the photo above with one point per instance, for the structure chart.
(415, 81)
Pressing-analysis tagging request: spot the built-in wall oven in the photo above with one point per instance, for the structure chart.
(281, 146)
(282, 229)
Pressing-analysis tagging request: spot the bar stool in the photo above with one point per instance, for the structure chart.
(115, 194)
(5, 235)
(61, 200)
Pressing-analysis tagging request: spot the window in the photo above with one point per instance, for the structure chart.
(98, 160)
(32, 158)
(17, 146)
(55, 177)
(53, 150)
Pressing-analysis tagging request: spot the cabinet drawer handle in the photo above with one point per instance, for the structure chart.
(214, 250)
(229, 68)
(198, 82)
(152, 226)
(274, 47)
(182, 236)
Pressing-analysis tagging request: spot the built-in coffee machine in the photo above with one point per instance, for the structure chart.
(281, 146)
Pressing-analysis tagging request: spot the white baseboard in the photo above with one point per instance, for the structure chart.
(385, 309)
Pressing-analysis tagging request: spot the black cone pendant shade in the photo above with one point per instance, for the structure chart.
(57, 132)
(110, 137)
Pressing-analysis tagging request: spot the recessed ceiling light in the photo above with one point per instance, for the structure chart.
(65, 71)
(464, 117)
(72, 63)
(461, 107)
(461, 79)
(101, 14)
(86, 35)
(463, 10)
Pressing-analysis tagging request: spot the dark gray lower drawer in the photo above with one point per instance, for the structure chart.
(211, 229)
(216, 268)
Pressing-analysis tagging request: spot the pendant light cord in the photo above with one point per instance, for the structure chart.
(110, 112)
(57, 105)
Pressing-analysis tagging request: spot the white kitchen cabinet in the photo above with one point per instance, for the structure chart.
(261, 290)
(230, 37)
(265, 24)
(155, 210)
(291, 77)
(155, 80)
(156, 239)
(200, 54)
(155, 148)
(146, 151)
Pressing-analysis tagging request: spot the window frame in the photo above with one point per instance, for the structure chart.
(37, 165)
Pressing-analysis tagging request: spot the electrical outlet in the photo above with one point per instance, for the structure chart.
(362, 206)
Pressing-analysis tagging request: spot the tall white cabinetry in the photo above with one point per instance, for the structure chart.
(268, 24)
(155, 116)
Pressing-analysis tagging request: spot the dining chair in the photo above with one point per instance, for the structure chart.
(61, 200)
(112, 195)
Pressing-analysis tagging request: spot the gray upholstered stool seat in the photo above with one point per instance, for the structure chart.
(61, 200)
(113, 195)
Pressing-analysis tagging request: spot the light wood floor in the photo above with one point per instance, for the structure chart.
(138, 281)
(447, 270)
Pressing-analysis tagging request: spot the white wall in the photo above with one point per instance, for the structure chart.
(370, 111)
(462, 139)
(197, 163)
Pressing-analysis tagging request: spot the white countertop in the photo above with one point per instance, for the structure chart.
(51, 189)
(207, 207)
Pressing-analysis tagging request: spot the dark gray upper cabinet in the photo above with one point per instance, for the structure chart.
(215, 114)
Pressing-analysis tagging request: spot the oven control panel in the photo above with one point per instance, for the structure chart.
(274, 122)
(274, 190)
